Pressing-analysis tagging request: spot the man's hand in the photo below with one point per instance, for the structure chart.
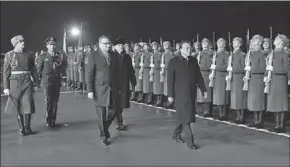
(91, 95)
(205, 95)
(6, 91)
(170, 99)
(288, 82)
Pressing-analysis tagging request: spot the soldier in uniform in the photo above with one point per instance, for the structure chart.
(86, 55)
(166, 57)
(19, 78)
(197, 49)
(50, 68)
(75, 68)
(236, 66)
(95, 47)
(69, 77)
(80, 67)
(267, 46)
(218, 75)
(155, 73)
(204, 60)
(145, 70)
(177, 49)
(256, 66)
(136, 65)
(279, 79)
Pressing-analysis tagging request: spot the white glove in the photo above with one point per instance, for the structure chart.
(205, 95)
(151, 72)
(269, 68)
(210, 76)
(228, 78)
(247, 68)
(170, 99)
(230, 69)
(91, 95)
(265, 79)
(213, 67)
(162, 65)
(6, 91)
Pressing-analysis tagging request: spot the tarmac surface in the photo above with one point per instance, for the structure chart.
(147, 142)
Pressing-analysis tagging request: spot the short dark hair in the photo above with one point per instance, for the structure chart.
(183, 42)
(102, 37)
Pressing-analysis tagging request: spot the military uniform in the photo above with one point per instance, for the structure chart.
(238, 96)
(147, 84)
(157, 85)
(278, 96)
(165, 59)
(69, 76)
(80, 66)
(204, 64)
(256, 96)
(19, 77)
(50, 68)
(139, 86)
(219, 88)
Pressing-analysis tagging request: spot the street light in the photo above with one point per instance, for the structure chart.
(75, 32)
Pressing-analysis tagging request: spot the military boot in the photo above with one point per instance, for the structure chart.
(27, 124)
(20, 121)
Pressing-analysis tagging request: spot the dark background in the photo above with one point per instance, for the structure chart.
(135, 20)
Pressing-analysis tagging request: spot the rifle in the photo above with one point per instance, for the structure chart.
(211, 76)
(229, 69)
(141, 66)
(269, 68)
(162, 65)
(152, 68)
(247, 64)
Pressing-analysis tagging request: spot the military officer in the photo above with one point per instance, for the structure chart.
(145, 70)
(218, 75)
(255, 65)
(19, 77)
(204, 60)
(278, 79)
(166, 57)
(236, 65)
(155, 74)
(50, 68)
(136, 65)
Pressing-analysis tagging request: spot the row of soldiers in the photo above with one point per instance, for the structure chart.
(235, 80)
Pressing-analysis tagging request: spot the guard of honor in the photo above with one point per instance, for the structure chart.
(256, 81)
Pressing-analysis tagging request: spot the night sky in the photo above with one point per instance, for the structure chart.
(135, 20)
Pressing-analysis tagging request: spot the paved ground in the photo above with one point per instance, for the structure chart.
(147, 142)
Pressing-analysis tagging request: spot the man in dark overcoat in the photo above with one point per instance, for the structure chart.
(126, 77)
(184, 77)
(19, 77)
(103, 71)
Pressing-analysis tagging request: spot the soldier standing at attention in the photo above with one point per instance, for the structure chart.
(145, 68)
(219, 77)
(19, 78)
(238, 96)
(256, 65)
(50, 68)
(278, 68)
(155, 72)
(204, 61)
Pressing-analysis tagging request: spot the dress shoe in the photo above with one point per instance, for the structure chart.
(237, 121)
(259, 126)
(192, 146)
(105, 142)
(252, 125)
(28, 131)
(121, 128)
(52, 124)
(178, 139)
(206, 115)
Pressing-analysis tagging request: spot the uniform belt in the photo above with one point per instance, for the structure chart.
(20, 72)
